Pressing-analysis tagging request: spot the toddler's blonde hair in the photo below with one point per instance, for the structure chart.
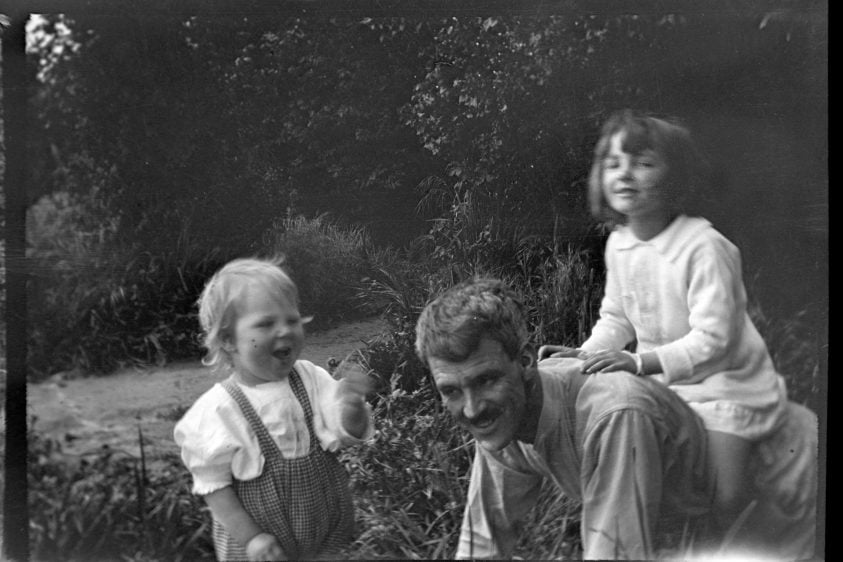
(217, 313)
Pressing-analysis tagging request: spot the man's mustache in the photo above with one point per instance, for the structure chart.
(484, 416)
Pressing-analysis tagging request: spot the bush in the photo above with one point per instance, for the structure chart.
(794, 345)
(108, 507)
(409, 484)
(562, 291)
(96, 304)
(560, 288)
(327, 262)
(66, 246)
(148, 315)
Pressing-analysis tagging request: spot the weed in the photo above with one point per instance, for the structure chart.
(326, 260)
(108, 506)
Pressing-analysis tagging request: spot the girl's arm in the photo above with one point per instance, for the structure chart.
(716, 307)
(716, 304)
(229, 511)
(613, 330)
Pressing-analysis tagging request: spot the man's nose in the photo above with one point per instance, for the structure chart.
(471, 405)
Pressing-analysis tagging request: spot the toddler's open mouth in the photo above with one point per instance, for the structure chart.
(283, 353)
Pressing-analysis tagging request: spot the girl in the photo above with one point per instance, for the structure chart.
(674, 288)
(260, 445)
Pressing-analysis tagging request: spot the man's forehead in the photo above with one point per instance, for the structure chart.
(489, 355)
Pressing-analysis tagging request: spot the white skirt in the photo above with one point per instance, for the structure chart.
(734, 418)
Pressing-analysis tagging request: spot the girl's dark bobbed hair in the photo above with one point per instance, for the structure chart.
(687, 169)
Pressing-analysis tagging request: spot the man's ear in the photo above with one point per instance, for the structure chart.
(528, 360)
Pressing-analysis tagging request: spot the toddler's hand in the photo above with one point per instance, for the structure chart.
(547, 351)
(355, 383)
(264, 547)
(607, 361)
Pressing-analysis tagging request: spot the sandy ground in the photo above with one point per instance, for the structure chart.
(87, 413)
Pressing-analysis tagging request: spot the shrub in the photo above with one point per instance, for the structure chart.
(96, 304)
(409, 485)
(326, 260)
(400, 288)
(106, 506)
(148, 315)
(66, 246)
(561, 289)
(794, 345)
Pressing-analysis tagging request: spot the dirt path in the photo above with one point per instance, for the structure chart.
(87, 413)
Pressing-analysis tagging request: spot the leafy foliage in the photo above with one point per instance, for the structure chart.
(794, 345)
(326, 260)
(168, 138)
(409, 484)
(107, 507)
(96, 304)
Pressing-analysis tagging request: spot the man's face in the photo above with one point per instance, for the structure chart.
(486, 392)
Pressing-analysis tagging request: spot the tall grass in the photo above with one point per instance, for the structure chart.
(409, 484)
(796, 347)
(326, 260)
(97, 304)
(107, 505)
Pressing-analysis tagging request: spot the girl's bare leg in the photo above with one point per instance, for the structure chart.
(728, 457)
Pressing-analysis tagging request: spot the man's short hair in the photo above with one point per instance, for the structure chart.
(452, 326)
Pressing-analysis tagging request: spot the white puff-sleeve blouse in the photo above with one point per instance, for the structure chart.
(217, 444)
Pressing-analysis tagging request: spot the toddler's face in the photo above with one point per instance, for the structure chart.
(632, 183)
(268, 336)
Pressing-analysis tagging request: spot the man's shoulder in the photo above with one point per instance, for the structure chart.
(561, 376)
(607, 392)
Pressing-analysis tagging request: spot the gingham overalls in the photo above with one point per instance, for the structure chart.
(305, 502)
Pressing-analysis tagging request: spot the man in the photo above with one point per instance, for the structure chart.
(630, 449)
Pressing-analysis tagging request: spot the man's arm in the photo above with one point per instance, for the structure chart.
(499, 497)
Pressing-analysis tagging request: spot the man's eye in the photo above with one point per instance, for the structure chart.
(610, 164)
(485, 380)
(448, 392)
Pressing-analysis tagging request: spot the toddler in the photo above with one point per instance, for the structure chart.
(261, 444)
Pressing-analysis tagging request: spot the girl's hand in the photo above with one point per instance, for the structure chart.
(608, 361)
(547, 351)
(263, 547)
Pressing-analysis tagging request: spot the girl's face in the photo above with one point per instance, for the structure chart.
(268, 336)
(632, 183)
